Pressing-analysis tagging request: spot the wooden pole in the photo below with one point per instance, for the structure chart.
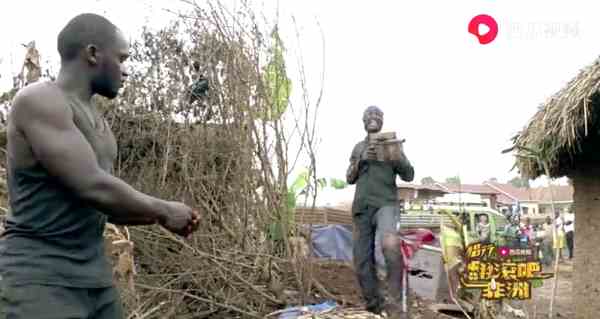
(542, 161)
(555, 240)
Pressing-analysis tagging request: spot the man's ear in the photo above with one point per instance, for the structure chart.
(91, 52)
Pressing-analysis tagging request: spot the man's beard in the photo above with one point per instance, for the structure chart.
(102, 86)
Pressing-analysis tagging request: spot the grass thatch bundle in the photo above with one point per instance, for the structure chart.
(556, 133)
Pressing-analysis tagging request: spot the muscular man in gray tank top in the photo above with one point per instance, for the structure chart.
(61, 188)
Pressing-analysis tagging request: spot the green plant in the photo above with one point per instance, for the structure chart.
(338, 183)
(279, 86)
(300, 187)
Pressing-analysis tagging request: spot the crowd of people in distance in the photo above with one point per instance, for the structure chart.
(522, 233)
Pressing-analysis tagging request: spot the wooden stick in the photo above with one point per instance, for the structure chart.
(555, 237)
(450, 285)
(277, 312)
(222, 305)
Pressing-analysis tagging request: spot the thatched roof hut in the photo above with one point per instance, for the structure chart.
(562, 127)
(563, 139)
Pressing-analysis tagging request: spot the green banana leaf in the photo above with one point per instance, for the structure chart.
(279, 86)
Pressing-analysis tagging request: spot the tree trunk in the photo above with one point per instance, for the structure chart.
(586, 283)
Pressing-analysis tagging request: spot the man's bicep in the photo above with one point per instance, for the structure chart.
(57, 143)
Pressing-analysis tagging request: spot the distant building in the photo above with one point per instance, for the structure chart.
(489, 196)
(511, 195)
(417, 194)
(535, 201)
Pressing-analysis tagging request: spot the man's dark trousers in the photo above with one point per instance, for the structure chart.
(569, 236)
(55, 302)
(371, 224)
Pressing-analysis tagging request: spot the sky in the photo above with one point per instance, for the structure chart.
(456, 102)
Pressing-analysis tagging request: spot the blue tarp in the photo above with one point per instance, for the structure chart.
(332, 242)
(335, 242)
(295, 312)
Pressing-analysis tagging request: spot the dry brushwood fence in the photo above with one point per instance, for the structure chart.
(224, 152)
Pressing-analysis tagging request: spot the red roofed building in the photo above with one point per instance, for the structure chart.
(534, 201)
(487, 194)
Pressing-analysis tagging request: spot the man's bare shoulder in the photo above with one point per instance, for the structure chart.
(42, 99)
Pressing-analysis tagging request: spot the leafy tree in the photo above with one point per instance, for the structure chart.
(519, 182)
(427, 180)
(453, 180)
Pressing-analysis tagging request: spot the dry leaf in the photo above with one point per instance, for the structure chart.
(32, 63)
(120, 249)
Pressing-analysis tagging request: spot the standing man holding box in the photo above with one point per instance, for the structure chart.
(375, 210)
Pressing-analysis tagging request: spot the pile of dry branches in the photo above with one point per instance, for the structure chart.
(191, 126)
(220, 156)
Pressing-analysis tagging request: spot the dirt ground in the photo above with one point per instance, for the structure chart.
(339, 280)
(563, 304)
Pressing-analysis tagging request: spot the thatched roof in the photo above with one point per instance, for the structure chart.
(560, 127)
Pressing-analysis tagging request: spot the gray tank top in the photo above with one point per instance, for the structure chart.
(51, 236)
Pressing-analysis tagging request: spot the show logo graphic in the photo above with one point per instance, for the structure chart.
(502, 272)
(489, 22)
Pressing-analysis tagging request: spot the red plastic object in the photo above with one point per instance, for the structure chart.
(412, 240)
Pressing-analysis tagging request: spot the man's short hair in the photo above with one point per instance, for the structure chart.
(372, 108)
(83, 30)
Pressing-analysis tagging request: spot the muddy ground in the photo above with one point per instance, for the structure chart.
(339, 280)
